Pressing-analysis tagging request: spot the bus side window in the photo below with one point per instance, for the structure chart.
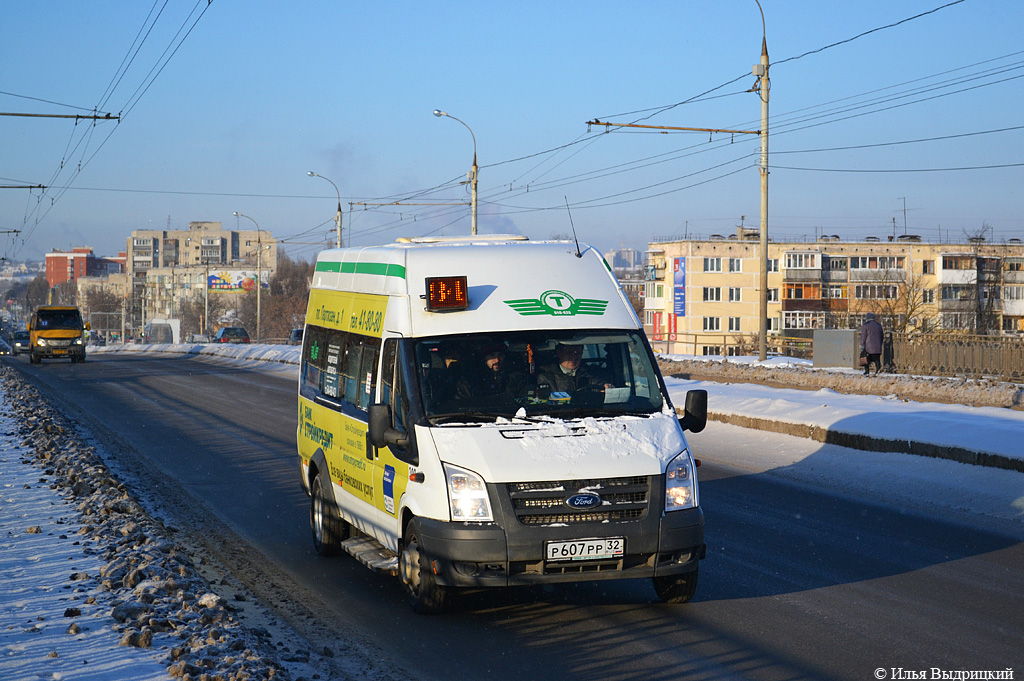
(392, 392)
(313, 360)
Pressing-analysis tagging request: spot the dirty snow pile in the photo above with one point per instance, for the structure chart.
(114, 571)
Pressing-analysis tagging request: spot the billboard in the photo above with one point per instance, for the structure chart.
(235, 281)
(679, 286)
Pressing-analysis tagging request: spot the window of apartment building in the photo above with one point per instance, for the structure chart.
(734, 294)
(989, 264)
(1013, 264)
(734, 324)
(877, 262)
(957, 320)
(955, 292)
(803, 291)
(773, 264)
(958, 262)
(928, 296)
(927, 267)
(773, 295)
(712, 324)
(773, 324)
(710, 350)
(1013, 293)
(712, 294)
(801, 261)
(712, 264)
(1013, 324)
(876, 292)
(834, 264)
(835, 292)
(142, 242)
(735, 265)
(803, 320)
(659, 290)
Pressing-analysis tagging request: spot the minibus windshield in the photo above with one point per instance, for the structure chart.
(563, 374)
(59, 319)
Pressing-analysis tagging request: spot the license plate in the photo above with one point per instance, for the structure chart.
(60, 352)
(586, 549)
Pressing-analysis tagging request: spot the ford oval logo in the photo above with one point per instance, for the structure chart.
(583, 500)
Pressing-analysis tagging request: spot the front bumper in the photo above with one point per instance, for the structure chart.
(510, 554)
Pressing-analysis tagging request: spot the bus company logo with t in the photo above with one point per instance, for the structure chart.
(583, 500)
(557, 303)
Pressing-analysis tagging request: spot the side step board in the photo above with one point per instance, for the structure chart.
(372, 554)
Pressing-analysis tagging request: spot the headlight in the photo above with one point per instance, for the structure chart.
(79, 341)
(680, 483)
(467, 495)
(41, 341)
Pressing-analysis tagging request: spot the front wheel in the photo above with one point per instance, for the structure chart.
(35, 359)
(426, 596)
(676, 588)
(328, 528)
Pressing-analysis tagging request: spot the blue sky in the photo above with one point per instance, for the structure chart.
(259, 93)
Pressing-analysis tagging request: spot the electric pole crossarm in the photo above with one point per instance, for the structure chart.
(402, 203)
(669, 127)
(104, 117)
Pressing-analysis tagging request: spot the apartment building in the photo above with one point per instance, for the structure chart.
(70, 266)
(702, 296)
(202, 244)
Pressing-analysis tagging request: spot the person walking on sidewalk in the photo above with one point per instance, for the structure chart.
(871, 343)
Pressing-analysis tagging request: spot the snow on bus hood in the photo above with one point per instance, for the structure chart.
(518, 451)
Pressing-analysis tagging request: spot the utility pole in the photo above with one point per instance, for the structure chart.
(762, 86)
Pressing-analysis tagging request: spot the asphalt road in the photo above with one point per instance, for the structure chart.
(801, 581)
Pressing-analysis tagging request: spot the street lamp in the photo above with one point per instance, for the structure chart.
(259, 268)
(337, 216)
(472, 173)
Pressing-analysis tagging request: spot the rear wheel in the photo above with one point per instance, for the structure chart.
(676, 588)
(426, 596)
(328, 528)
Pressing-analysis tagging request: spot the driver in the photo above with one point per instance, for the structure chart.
(570, 374)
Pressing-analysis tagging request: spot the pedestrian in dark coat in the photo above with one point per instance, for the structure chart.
(871, 343)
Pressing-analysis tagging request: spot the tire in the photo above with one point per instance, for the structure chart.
(327, 527)
(676, 589)
(426, 596)
(34, 359)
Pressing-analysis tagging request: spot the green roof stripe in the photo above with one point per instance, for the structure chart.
(380, 268)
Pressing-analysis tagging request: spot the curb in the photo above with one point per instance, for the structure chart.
(869, 443)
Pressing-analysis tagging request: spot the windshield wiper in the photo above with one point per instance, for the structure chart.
(484, 416)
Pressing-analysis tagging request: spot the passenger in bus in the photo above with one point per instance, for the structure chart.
(570, 375)
(492, 376)
(441, 377)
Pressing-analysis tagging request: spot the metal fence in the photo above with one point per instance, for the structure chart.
(955, 355)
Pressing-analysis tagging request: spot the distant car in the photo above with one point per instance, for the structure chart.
(5, 349)
(197, 338)
(20, 342)
(231, 334)
(295, 337)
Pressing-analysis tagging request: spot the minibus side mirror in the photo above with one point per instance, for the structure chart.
(381, 432)
(695, 414)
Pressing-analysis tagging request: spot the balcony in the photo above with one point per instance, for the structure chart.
(801, 275)
(878, 276)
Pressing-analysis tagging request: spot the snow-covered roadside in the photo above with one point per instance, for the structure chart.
(92, 587)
